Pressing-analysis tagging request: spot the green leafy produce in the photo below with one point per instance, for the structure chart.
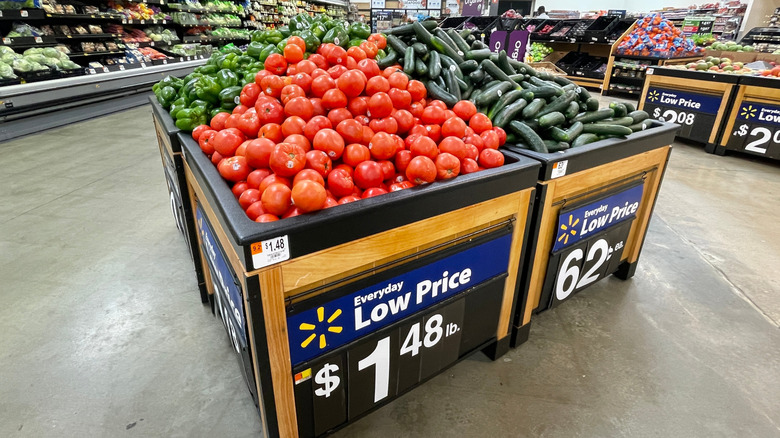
(539, 51)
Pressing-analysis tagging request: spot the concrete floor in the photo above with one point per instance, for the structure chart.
(102, 332)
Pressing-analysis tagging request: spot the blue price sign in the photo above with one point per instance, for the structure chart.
(695, 112)
(756, 130)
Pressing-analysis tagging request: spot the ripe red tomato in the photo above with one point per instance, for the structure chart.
(489, 158)
(398, 80)
(270, 112)
(417, 130)
(363, 119)
(275, 63)
(439, 104)
(369, 68)
(205, 139)
(454, 146)
(256, 177)
(480, 123)
(299, 106)
(447, 166)
(305, 66)
(368, 174)
(249, 94)
(402, 159)
(386, 124)
(255, 210)
(316, 124)
(239, 109)
(404, 120)
(227, 141)
(330, 142)
(424, 146)
(320, 72)
(454, 127)
(490, 139)
(501, 135)
(469, 166)
(390, 70)
(233, 169)
(300, 140)
(287, 159)
(216, 157)
(266, 217)
(388, 169)
(330, 201)
(369, 48)
(272, 85)
(348, 199)
(416, 108)
(316, 104)
(379, 105)
(401, 185)
(373, 191)
(334, 98)
(358, 105)
(249, 124)
(293, 125)
(271, 131)
(276, 199)
(336, 56)
(308, 195)
(356, 53)
(417, 90)
(464, 109)
(401, 98)
(340, 183)
(260, 75)
(338, 115)
(293, 53)
(377, 84)
(273, 179)
(321, 84)
(242, 149)
(434, 132)
(218, 121)
(476, 140)
(379, 40)
(199, 130)
(249, 197)
(290, 91)
(232, 121)
(421, 170)
(319, 60)
(350, 130)
(351, 83)
(319, 161)
(433, 115)
(337, 70)
(368, 134)
(382, 146)
(310, 175)
(472, 151)
(239, 188)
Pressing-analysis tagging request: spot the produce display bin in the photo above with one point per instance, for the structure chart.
(335, 313)
(601, 28)
(696, 100)
(592, 210)
(173, 166)
(753, 124)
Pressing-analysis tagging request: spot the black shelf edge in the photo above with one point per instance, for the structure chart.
(111, 17)
(701, 75)
(87, 36)
(95, 54)
(211, 39)
(150, 21)
(21, 14)
(29, 41)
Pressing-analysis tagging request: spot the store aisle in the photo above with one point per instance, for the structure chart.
(102, 332)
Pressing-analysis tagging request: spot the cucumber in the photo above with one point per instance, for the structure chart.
(595, 116)
(622, 121)
(529, 136)
(584, 139)
(551, 119)
(572, 87)
(629, 107)
(450, 64)
(620, 109)
(509, 113)
(408, 29)
(477, 76)
(465, 33)
(574, 131)
(555, 146)
(420, 68)
(420, 49)
(468, 66)
(558, 134)
(387, 61)
(409, 61)
(533, 108)
(396, 43)
(638, 116)
(544, 92)
(503, 63)
(479, 55)
(522, 67)
(503, 101)
(437, 92)
(595, 128)
(475, 94)
(460, 43)
(538, 82)
(528, 95)
(443, 48)
(562, 81)
(434, 65)
(449, 80)
(560, 104)
(641, 126)
(477, 45)
(439, 32)
(422, 33)
(572, 110)
(490, 96)
(584, 94)
(493, 70)
(463, 85)
(592, 104)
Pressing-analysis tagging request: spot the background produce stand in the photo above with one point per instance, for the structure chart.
(754, 121)
(173, 166)
(698, 101)
(335, 313)
(604, 190)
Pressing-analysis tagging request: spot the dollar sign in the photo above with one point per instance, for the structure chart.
(656, 113)
(743, 130)
(330, 382)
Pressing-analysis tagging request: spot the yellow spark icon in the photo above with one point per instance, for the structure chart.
(320, 319)
(568, 230)
(653, 96)
(748, 112)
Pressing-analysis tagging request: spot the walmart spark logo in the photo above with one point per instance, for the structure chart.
(748, 112)
(324, 327)
(568, 230)
(653, 96)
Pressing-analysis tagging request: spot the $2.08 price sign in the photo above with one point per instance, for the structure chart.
(756, 130)
(694, 112)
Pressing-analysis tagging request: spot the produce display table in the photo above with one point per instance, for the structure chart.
(608, 88)
(173, 166)
(594, 204)
(754, 119)
(698, 101)
(336, 313)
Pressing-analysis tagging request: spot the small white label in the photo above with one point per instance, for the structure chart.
(650, 71)
(124, 21)
(23, 13)
(165, 61)
(122, 67)
(38, 40)
(188, 59)
(1, 13)
(143, 65)
(143, 21)
(6, 40)
(105, 70)
(151, 44)
(237, 100)
(92, 71)
(453, 68)
(270, 251)
(559, 169)
(336, 41)
(499, 93)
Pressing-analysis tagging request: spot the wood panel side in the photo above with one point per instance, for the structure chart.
(518, 237)
(684, 83)
(767, 94)
(722, 111)
(543, 247)
(733, 115)
(642, 221)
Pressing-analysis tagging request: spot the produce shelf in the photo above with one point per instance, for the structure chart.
(150, 21)
(85, 17)
(95, 54)
(29, 41)
(88, 36)
(210, 39)
(21, 14)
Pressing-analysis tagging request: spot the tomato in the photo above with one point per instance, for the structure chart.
(377, 84)
(275, 63)
(368, 174)
(450, 114)
(330, 201)
(276, 199)
(266, 217)
(469, 166)
(416, 108)
(339, 114)
(272, 85)
(316, 105)
(319, 61)
(490, 139)
(382, 146)
(306, 66)
(273, 179)
(369, 68)
(270, 112)
(320, 72)
(379, 40)
(249, 124)
(399, 143)
(418, 130)
(319, 161)
(336, 71)
(398, 80)
(199, 130)
(439, 104)
(256, 176)
(368, 134)
(227, 141)
(434, 132)
(404, 120)
(464, 109)
(480, 123)
(401, 98)
(379, 105)
(363, 120)
(358, 105)
(447, 166)
(334, 98)
(350, 130)
(340, 183)
(315, 124)
(472, 152)
(300, 107)
(218, 121)
(330, 142)
(336, 56)
(424, 146)
(309, 196)
(205, 139)
(242, 149)
(369, 48)
(348, 199)
(216, 157)
(374, 191)
(351, 83)
(388, 169)
(310, 175)
(271, 131)
(239, 188)
(469, 131)
(454, 127)
(356, 53)
(390, 70)
(501, 135)
(260, 75)
(489, 158)
(249, 94)
(386, 124)
(255, 210)
(402, 160)
(233, 169)
(293, 53)
(417, 90)
(291, 70)
(287, 159)
(433, 115)
(290, 91)
(474, 139)
(249, 197)
(351, 63)
(300, 140)
(232, 121)
(421, 170)
(453, 146)
(321, 84)
(401, 186)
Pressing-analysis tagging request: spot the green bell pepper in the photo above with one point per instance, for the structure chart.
(229, 97)
(359, 30)
(215, 111)
(354, 42)
(188, 90)
(273, 37)
(254, 49)
(226, 78)
(319, 30)
(230, 48)
(285, 31)
(337, 36)
(171, 81)
(208, 88)
(311, 40)
(242, 62)
(270, 48)
(177, 105)
(257, 36)
(380, 54)
(281, 44)
(166, 95)
(188, 118)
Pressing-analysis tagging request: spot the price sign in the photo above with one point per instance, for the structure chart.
(695, 112)
(38, 40)
(756, 130)
(589, 242)
(518, 44)
(23, 14)
(498, 40)
(270, 251)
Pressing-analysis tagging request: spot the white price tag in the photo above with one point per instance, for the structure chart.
(559, 169)
(270, 251)
(6, 40)
(122, 67)
(189, 59)
(650, 71)
(105, 69)
(151, 44)
(38, 40)
(143, 65)
(165, 62)
(92, 71)
(124, 21)
(1, 13)
(23, 14)
(143, 21)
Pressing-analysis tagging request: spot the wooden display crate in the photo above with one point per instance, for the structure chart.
(753, 125)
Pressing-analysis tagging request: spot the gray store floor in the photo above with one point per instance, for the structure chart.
(102, 332)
